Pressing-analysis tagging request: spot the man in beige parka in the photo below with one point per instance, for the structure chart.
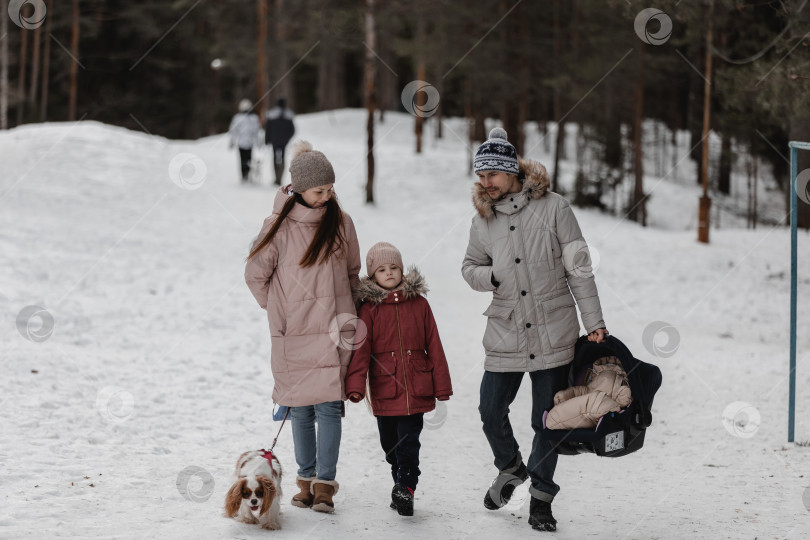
(526, 247)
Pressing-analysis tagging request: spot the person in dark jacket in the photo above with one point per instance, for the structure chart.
(278, 131)
(398, 363)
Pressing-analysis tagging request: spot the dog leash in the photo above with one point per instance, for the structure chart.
(279, 430)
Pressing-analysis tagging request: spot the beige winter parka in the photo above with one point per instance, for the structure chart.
(532, 244)
(310, 310)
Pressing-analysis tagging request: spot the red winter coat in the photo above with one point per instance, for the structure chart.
(401, 353)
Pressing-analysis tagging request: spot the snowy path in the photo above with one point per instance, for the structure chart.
(159, 358)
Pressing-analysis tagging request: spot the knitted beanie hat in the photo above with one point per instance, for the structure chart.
(309, 168)
(382, 253)
(496, 154)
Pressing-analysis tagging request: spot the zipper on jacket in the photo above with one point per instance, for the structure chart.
(402, 352)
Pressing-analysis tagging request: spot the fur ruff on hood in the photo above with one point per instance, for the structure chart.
(413, 284)
(535, 186)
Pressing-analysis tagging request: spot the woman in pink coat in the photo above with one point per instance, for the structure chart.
(303, 269)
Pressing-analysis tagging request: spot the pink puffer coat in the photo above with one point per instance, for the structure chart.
(606, 390)
(310, 310)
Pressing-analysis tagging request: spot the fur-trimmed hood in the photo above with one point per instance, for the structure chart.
(535, 185)
(413, 284)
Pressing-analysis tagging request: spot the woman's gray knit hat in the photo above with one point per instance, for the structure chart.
(496, 154)
(309, 168)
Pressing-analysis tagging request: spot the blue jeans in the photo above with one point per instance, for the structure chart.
(498, 391)
(317, 458)
(399, 438)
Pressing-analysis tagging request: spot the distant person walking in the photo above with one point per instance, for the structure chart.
(278, 130)
(244, 132)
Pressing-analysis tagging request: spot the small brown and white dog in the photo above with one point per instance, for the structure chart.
(256, 491)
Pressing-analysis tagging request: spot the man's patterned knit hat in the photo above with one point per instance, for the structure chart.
(496, 154)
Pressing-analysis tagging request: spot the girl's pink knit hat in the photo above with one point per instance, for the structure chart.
(382, 253)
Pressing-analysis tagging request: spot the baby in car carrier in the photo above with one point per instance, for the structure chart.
(606, 390)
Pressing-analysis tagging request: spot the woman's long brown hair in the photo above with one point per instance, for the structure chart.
(328, 238)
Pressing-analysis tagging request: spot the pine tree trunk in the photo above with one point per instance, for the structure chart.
(479, 118)
(4, 65)
(468, 115)
(613, 128)
(74, 66)
(558, 145)
(756, 177)
(557, 101)
(21, 77)
(331, 78)
(32, 95)
(724, 173)
(283, 79)
(420, 75)
(637, 211)
(509, 117)
(387, 98)
(525, 77)
(510, 114)
(704, 208)
(420, 103)
(370, 95)
(261, 60)
(46, 70)
(751, 170)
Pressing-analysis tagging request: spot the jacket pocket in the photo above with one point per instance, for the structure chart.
(562, 325)
(501, 334)
(382, 375)
(421, 373)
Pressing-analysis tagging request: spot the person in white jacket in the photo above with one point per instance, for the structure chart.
(244, 132)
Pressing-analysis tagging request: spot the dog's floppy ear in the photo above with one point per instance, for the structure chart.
(269, 492)
(234, 498)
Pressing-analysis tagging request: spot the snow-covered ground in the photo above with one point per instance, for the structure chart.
(126, 421)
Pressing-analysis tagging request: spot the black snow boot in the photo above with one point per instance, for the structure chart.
(500, 492)
(402, 500)
(540, 517)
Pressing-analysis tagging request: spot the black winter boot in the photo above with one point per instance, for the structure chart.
(500, 492)
(402, 500)
(540, 517)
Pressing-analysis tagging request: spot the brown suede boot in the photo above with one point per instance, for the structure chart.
(304, 498)
(323, 490)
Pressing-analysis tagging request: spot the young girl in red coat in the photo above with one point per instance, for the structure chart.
(401, 362)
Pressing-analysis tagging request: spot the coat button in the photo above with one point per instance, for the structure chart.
(511, 198)
(517, 260)
(512, 228)
(522, 293)
(531, 356)
(528, 325)
(515, 206)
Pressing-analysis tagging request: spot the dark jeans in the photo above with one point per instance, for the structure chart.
(498, 391)
(399, 437)
(278, 162)
(244, 158)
